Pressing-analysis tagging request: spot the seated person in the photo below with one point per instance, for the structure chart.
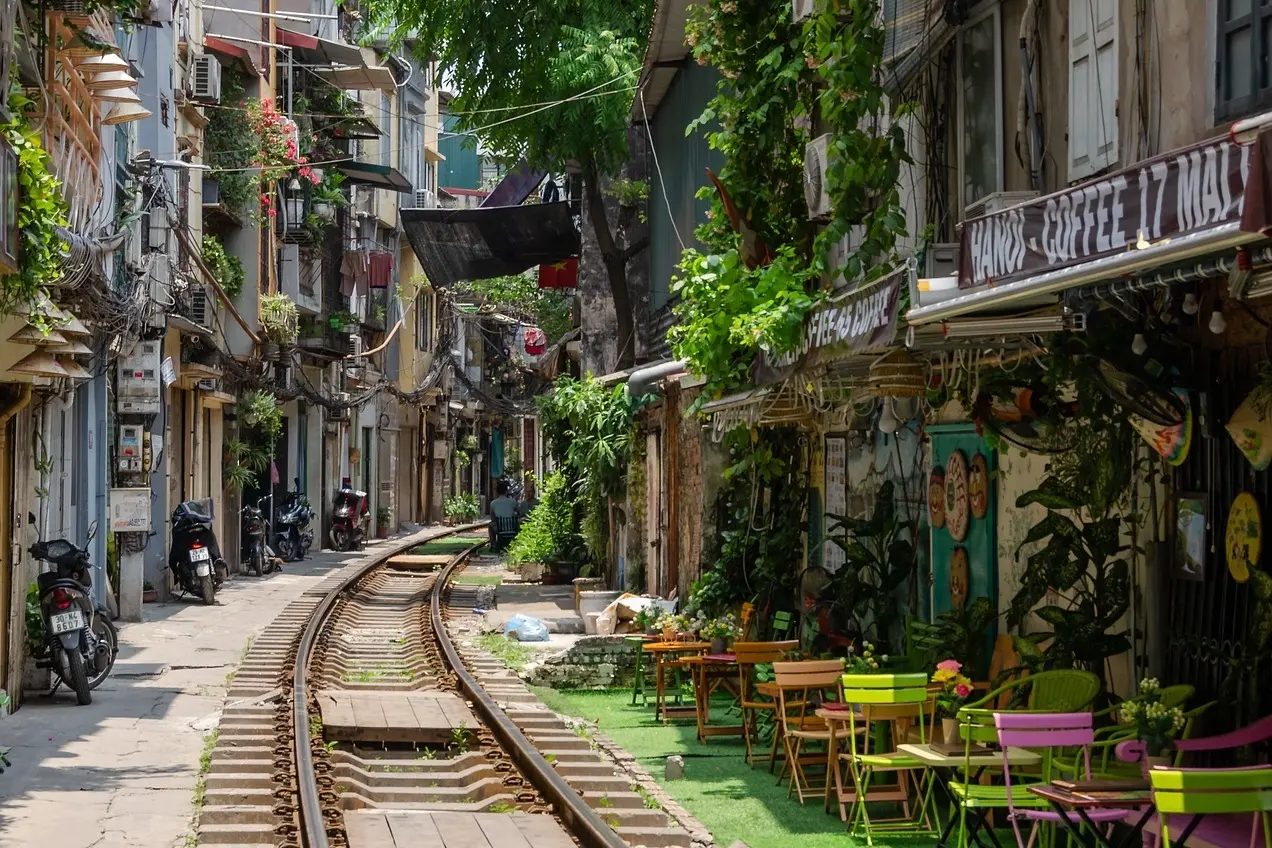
(502, 507)
(528, 501)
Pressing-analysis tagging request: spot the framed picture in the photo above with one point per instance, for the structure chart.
(1191, 518)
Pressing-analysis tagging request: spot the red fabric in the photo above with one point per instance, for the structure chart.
(561, 275)
(536, 341)
(381, 270)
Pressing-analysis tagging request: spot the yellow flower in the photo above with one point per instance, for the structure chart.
(943, 674)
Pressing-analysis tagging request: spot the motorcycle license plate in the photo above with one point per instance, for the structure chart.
(203, 569)
(67, 622)
(200, 555)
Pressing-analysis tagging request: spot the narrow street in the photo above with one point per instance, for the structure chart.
(123, 770)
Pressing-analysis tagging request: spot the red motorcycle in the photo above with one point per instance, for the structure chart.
(350, 518)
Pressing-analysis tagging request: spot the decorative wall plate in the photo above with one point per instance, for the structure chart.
(1244, 536)
(936, 497)
(978, 486)
(960, 577)
(957, 509)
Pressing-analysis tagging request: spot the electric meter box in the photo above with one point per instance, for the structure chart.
(131, 445)
(138, 386)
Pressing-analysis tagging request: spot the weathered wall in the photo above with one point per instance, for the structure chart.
(593, 662)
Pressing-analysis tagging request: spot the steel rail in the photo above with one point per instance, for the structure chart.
(581, 820)
(313, 828)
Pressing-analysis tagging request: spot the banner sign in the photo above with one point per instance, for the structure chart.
(850, 323)
(1179, 193)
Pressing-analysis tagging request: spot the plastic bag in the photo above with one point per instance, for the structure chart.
(523, 628)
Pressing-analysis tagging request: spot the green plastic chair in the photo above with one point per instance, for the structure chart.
(886, 698)
(637, 644)
(783, 624)
(1060, 691)
(1106, 765)
(922, 641)
(1171, 696)
(1204, 792)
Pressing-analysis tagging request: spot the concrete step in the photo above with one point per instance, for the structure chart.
(231, 780)
(656, 837)
(236, 834)
(238, 796)
(230, 765)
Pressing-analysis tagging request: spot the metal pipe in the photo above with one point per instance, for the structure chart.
(590, 829)
(652, 373)
(1200, 271)
(1248, 129)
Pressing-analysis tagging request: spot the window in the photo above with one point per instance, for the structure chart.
(980, 96)
(1092, 86)
(424, 321)
(1243, 81)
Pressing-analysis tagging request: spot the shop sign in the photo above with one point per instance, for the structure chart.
(857, 321)
(1179, 193)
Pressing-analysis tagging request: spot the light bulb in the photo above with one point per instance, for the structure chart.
(1217, 322)
(294, 185)
(888, 422)
(1139, 344)
(1190, 306)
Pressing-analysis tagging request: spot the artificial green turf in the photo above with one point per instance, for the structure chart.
(452, 545)
(731, 799)
(479, 579)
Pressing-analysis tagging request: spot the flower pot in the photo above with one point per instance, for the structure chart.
(949, 730)
(719, 646)
(325, 211)
(382, 533)
(148, 596)
(269, 351)
(669, 634)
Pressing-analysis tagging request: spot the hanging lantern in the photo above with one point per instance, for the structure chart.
(897, 374)
(33, 335)
(125, 112)
(39, 363)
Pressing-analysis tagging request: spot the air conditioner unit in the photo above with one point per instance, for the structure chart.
(816, 164)
(208, 384)
(205, 78)
(940, 260)
(355, 345)
(200, 308)
(997, 202)
(425, 199)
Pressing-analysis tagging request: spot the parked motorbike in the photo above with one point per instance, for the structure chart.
(254, 531)
(350, 518)
(80, 643)
(195, 559)
(293, 537)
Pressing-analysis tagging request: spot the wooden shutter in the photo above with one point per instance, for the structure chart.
(1093, 86)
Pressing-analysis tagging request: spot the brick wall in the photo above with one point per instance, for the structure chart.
(593, 662)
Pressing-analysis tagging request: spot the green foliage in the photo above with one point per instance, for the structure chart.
(588, 429)
(41, 210)
(34, 619)
(462, 507)
(383, 516)
(262, 413)
(226, 267)
(729, 313)
(548, 533)
(879, 556)
(330, 189)
(510, 652)
(279, 318)
(961, 633)
(229, 143)
(520, 296)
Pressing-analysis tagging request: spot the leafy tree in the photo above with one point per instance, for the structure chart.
(520, 296)
(511, 64)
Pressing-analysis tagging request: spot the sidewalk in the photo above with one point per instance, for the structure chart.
(122, 771)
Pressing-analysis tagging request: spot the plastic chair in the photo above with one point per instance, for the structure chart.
(1205, 792)
(1058, 691)
(801, 685)
(783, 625)
(637, 644)
(1048, 732)
(922, 641)
(749, 655)
(745, 615)
(891, 698)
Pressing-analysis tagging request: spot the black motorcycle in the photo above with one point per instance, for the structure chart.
(195, 559)
(80, 643)
(254, 532)
(293, 537)
(350, 518)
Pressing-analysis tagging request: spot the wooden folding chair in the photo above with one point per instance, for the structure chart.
(749, 655)
(802, 687)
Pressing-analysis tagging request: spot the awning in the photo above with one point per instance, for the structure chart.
(380, 176)
(352, 127)
(665, 53)
(232, 51)
(1200, 199)
(359, 77)
(476, 244)
(311, 49)
(431, 154)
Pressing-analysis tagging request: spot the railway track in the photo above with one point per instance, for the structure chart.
(354, 721)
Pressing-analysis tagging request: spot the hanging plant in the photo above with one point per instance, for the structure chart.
(261, 412)
(226, 267)
(280, 320)
(41, 211)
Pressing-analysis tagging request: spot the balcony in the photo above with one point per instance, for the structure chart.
(300, 277)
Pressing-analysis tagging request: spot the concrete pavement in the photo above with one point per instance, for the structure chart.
(122, 771)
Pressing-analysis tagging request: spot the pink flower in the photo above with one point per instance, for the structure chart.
(950, 665)
(962, 690)
(273, 213)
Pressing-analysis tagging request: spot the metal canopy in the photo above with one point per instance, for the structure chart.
(311, 48)
(476, 244)
(380, 176)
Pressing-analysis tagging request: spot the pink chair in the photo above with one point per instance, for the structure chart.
(1046, 732)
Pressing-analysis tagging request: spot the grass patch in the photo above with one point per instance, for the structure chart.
(510, 652)
(201, 786)
(732, 800)
(450, 546)
(375, 675)
(479, 579)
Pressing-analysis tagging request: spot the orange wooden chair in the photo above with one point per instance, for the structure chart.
(749, 655)
(801, 688)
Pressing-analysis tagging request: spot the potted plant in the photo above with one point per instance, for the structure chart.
(1155, 723)
(148, 593)
(863, 661)
(383, 518)
(954, 692)
(279, 321)
(646, 620)
(461, 508)
(327, 196)
(720, 631)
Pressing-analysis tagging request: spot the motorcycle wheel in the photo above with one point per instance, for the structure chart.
(105, 632)
(79, 677)
(258, 560)
(206, 590)
(340, 538)
(285, 548)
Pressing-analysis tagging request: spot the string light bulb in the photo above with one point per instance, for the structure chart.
(1217, 322)
(888, 422)
(1139, 344)
(1190, 306)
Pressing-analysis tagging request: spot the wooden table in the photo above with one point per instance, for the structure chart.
(710, 671)
(1066, 801)
(666, 653)
(943, 765)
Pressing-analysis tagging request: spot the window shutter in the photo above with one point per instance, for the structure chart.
(1092, 86)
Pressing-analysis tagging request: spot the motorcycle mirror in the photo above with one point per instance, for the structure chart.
(298, 484)
(92, 530)
(32, 530)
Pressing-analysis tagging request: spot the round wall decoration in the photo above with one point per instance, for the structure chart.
(936, 497)
(960, 577)
(1244, 536)
(978, 486)
(957, 509)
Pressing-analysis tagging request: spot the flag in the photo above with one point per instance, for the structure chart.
(560, 275)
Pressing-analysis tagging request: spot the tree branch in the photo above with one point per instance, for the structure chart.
(635, 248)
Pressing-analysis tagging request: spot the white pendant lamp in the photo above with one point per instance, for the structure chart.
(125, 112)
(111, 79)
(117, 95)
(40, 363)
(101, 63)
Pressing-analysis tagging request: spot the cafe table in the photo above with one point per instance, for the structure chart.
(1076, 803)
(942, 766)
(711, 672)
(665, 655)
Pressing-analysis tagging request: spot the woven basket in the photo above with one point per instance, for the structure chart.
(897, 374)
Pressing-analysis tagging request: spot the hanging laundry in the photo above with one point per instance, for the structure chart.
(381, 269)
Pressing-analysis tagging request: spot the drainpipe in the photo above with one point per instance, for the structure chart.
(642, 377)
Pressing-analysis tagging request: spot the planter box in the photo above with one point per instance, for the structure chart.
(148, 596)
